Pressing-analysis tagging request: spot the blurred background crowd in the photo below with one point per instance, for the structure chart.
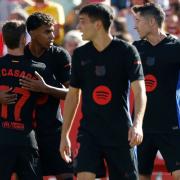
(65, 13)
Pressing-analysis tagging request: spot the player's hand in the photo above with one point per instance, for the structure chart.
(36, 85)
(135, 135)
(65, 149)
(7, 97)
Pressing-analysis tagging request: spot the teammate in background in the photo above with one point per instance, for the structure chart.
(161, 63)
(48, 115)
(56, 11)
(103, 70)
(18, 146)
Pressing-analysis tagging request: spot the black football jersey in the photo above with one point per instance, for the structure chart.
(16, 120)
(161, 65)
(104, 78)
(57, 61)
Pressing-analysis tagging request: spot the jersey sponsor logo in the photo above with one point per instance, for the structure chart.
(15, 73)
(151, 82)
(150, 61)
(100, 70)
(102, 95)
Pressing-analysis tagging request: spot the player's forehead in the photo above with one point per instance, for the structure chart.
(45, 27)
(138, 16)
(84, 17)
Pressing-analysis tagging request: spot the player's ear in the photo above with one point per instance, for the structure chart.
(152, 21)
(98, 24)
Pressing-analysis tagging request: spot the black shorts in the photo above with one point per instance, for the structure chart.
(121, 162)
(51, 161)
(23, 160)
(169, 146)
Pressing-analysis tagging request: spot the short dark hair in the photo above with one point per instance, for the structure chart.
(99, 12)
(12, 32)
(151, 9)
(38, 19)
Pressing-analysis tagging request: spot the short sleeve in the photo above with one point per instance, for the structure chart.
(75, 78)
(63, 62)
(134, 65)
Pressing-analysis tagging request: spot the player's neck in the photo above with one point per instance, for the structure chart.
(102, 41)
(16, 52)
(156, 37)
(36, 50)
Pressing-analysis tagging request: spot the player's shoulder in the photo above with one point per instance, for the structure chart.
(4, 59)
(57, 50)
(84, 49)
(172, 39)
(139, 43)
(120, 42)
(122, 46)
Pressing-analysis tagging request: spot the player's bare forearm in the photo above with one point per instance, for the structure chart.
(140, 99)
(39, 85)
(135, 134)
(70, 108)
(59, 93)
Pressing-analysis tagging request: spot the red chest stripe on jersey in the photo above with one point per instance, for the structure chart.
(16, 73)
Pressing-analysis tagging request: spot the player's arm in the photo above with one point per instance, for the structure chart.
(70, 108)
(135, 135)
(39, 85)
(57, 92)
(7, 97)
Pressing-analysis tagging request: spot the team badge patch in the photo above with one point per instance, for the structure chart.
(150, 61)
(100, 70)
